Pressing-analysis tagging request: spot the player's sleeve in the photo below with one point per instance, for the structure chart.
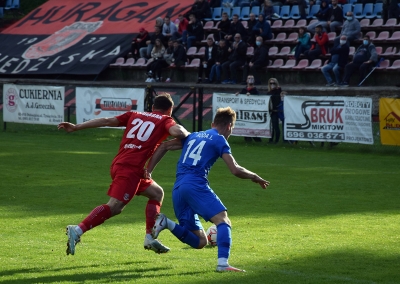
(124, 118)
(169, 122)
(223, 147)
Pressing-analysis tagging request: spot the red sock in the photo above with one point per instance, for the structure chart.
(152, 209)
(96, 217)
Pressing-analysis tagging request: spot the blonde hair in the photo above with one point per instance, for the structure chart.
(274, 80)
(224, 116)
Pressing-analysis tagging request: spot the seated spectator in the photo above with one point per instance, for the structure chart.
(169, 29)
(257, 61)
(208, 61)
(159, 22)
(364, 59)
(251, 23)
(182, 26)
(157, 57)
(237, 59)
(250, 89)
(223, 26)
(201, 9)
(336, 17)
(351, 29)
(320, 46)
(303, 43)
(193, 33)
(337, 62)
(169, 53)
(145, 52)
(221, 58)
(323, 16)
(178, 59)
(138, 42)
(262, 28)
(274, 90)
(236, 27)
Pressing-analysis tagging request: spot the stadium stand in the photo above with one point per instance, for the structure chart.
(118, 62)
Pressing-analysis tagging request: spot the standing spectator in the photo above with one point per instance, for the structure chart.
(178, 59)
(236, 27)
(169, 29)
(323, 16)
(138, 42)
(274, 90)
(267, 10)
(364, 59)
(201, 9)
(145, 52)
(237, 58)
(351, 29)
(337, 62)
(221, 58)
(257, 61)
(262, 28)
(193, 33)
(320, 47)
(336, 17)
(281, 115)
(157, 57)
(250, 89)
(223, 26)
(303, 43)
(210, 56)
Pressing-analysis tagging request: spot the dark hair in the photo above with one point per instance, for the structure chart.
(235, 15)
(175, 41)
(167, 17)
(367, 36)
(319, 26)
(225, 116)
(163, 102)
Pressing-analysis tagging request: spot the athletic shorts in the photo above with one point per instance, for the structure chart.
(190, 201)
(126, 183)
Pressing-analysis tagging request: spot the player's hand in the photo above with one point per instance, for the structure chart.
(68, 127)
(262, 182)
(146, 175)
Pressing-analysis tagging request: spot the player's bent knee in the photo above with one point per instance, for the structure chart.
(203, 242)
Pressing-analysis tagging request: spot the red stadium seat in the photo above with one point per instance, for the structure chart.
(118, 62)
(301, 23)
(292, 37)
(364, 23)
(194, 64)
(208, 26)
(378, 50)
(352, 49)
(395, 66)
(191, 51)
(129, 62)
(141, 62)
(284, 51)
(383, 65)
(277, 63)
(201, 52)
(250, 51)
(389, 51)
(245, 24)
(395, 36)
(314, 65)
(390, 23)
(376, 24)
(371, 34)
(273, 51)
(280, 37)
(277, 24)
(301, 65)
(383, 36)
(289, 24)
(331, 36)
(288, 65)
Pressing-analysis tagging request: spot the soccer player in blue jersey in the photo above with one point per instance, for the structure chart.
(192, 195)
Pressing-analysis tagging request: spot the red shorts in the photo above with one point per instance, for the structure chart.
(126, 183)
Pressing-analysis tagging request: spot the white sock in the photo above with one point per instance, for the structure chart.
(149, 237)
(79, 230)
(223, 261)
(170, 224)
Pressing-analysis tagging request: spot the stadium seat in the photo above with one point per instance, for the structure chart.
(118, 62)
(301, 65)
(314, 65)
(141, 62)
(217, 14)
(194, 64)
(325, 63)
(129, 62)
(1, 12)
(312, 22)
(292, 38)
(364, 23)
(250, 51)
(376, 24)
(358, 11)
(208, 26)
(383, 36)
(215, 28)
(368, 11)
(288, 65)
(277, 9)
(227, 10)
(280, 37)
(277, 24)
(377, 13)
(255, 10)
(395, 36)
(301, 23)
(314, 9)
(245, 24)
(289, 24)
(352, 2)
(273, 51)
(277, 64)
(294, 12)
(285, 12)
(8, 5)
(390, 51)
(331, 36)
(347, 8)
(383, 65)
(235, 10)
(371, 34)
(245, 13)
(378, 50)
(284, 51)
(191, 51)
(15, 4)
(390, 23)
(395, 66)
(200, 52)
(352, 49)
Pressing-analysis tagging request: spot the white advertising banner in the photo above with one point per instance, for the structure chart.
(252, 115)
(33, 104)
(107, 102)
(330, 119)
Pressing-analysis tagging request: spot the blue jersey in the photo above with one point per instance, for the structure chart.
(200, 151)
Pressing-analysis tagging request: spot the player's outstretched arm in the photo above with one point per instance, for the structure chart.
(98, 122)
(241, 172)
(174, 144)
(178, 131)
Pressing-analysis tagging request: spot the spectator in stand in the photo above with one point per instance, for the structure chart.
(223, 26)
(182, 26)
(138, 42)
(193, 33)
(364, 59)
(235, 28)
(237, 59)
(394, 9)
(337, 62)
(274, 90)
(178, 59)
(169, 29)
(215, 3)
(145, 52)
(257, 61)
(268, 10)
(251, 23)
(210, 56)
(323, 16)
(250, 89)
(277, 3)
(201, 9)
(262, 28)
(252, 3)
(303, 43)
(320, 46)
(221, 58)
(336, 17)
(157, 57)
(351, 29)
(159, 22)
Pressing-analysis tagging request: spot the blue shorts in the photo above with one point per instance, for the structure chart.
(190, 201)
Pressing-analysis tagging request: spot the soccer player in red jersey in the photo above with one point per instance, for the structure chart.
(143, 134)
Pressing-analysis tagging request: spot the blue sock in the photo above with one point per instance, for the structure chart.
(224, 240)
(186, 236)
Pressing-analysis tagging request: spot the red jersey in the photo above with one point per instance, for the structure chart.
(143, 134)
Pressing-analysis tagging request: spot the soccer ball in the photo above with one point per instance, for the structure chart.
(212, 235)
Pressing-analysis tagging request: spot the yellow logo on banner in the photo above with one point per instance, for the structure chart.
(389, 117)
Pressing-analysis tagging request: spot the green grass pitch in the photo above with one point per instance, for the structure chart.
(329, 215)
